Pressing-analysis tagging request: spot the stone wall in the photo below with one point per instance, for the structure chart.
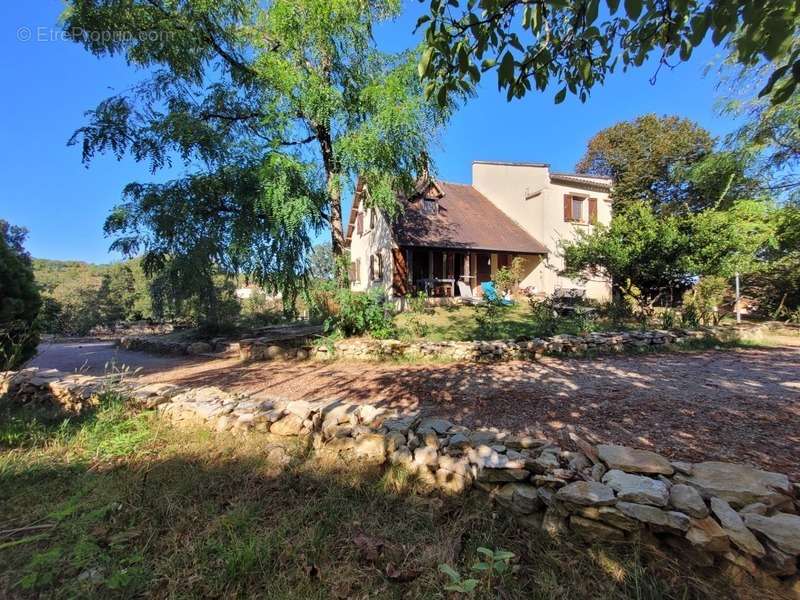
(155, 345)
(732, 516)
(504, 350)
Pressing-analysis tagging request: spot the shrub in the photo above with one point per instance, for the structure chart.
(507, 278)
(19, 299)
(417, 303)
(702, 301)
(359, 313)
(544, 316)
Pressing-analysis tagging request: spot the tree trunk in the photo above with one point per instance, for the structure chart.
(333, 182)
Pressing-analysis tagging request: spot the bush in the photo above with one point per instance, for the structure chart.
(487, 316)
(702, 302)
(544, 316)
(359, 313)
(19, 299)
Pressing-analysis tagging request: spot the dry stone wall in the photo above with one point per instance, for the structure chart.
(728, 515)
(504, 350)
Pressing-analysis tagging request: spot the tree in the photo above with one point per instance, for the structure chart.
(644, 254)
(117, 295)
(770, 133)
(668, 162)
(651, 256)
(576, 43)
(321, 263)
(279, 107)
(19, 299)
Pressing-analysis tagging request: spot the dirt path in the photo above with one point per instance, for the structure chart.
(739, 405)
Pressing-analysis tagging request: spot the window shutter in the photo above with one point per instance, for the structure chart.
(357, 278)
(593, 211)
(352, 272)
(380, 266)
(360, 224)
(567, 208)
(371, 270)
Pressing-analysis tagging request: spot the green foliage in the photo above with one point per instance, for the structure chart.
(494, 563)
(575, 44)
(275, 108)
(78, 296)
(668, 319)
(702, 302)
(507, 278)
(544, 316)
(321, 263)
(359, 313)
(651, 256)
(668, 162)
(19, 299)
(488, 316)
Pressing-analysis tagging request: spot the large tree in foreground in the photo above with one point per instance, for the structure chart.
(275, 108)
(575, 44)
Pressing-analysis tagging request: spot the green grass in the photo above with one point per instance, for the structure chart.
(460, 323)
(131, 507)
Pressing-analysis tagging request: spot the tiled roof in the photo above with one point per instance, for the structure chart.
(466, 220)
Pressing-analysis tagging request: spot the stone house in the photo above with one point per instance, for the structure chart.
(446, 233)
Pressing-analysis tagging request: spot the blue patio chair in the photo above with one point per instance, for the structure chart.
(490, 293)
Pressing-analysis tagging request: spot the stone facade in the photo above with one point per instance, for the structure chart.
(730, 515)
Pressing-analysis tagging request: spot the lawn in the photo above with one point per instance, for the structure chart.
(461, 323)
(119, 504)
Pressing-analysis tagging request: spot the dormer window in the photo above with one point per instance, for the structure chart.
(429, 206)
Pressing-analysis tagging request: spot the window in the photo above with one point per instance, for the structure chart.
(370, 218)
(429, 206)
(355, 271)
(376, 267)
(360, 223)
(577, 209)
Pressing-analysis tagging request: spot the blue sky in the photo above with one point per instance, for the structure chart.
(50, 83)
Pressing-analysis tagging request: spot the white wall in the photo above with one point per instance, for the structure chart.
(375, 240)
(507, 185)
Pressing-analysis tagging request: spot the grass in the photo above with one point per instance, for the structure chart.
(461, 323)
(127, 506)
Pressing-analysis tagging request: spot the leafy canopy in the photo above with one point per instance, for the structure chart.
(274, 109)
(19, 299)
(577, 43)
(668, 162)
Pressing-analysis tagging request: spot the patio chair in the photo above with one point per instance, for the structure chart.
(490, 293)
(466, 294)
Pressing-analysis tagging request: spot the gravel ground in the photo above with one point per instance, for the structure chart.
(741, 405)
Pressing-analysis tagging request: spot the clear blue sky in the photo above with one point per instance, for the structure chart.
(50, 83)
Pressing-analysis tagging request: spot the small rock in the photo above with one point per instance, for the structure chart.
(739, 485)
(371, 446)
(685, 498)
(735, 528)
(707, 535)
(586, 493)
(598, 470)
(492, 475)
(401, 456)
(777, 562)
(682, 467)
(521, 498)
(636, 488)
(781, 529)
(631, 460)
(459, 440)
(426, 456)
(655, 516)
(199, 348)
(289, 425)
(394, 440)
(553, 523)
(440, 426)
(594, 530)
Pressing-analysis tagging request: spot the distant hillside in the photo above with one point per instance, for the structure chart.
(79, 295)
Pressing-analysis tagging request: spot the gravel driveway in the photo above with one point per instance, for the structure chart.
(739, 405)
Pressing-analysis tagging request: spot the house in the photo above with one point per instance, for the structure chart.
(451, 232)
